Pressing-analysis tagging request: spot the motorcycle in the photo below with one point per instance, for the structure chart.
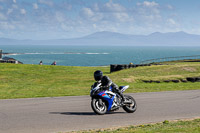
(103, 101)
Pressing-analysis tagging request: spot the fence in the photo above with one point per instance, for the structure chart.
(7, 61)
(1, 54)
(159, 60)
(118, 67)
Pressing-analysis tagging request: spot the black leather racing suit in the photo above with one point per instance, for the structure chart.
(107, 82)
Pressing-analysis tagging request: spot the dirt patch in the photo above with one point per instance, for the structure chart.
(129, 80)
(189, 69)
(167, 77)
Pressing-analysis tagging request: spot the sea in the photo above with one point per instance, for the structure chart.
(92, 55)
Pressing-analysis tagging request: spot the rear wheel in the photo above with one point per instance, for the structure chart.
(98, 107)
(130, 108)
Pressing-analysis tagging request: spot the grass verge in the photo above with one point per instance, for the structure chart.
(189, 126)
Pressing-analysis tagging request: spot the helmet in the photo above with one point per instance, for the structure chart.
(98, 75)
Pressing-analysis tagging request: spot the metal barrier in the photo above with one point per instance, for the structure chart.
(118, 67)
(159, 60)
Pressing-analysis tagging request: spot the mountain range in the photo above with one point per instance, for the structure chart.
(106, 38)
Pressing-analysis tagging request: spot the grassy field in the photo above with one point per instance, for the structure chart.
(175, 71)
(192, 126)
(25, 81)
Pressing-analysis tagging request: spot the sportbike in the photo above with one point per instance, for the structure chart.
(103, 101)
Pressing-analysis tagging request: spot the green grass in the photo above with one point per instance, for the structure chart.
(25, 81)
(192, 126)
(134, 77)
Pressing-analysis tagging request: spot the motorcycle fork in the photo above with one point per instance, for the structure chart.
(100, 102)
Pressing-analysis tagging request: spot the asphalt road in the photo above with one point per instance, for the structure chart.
(57, 114)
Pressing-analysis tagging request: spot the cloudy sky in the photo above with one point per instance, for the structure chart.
(53, 19)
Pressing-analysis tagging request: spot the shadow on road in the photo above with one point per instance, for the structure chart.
(82, 113)
(73, 113)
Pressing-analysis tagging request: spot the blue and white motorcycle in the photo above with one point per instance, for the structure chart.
(103, 101)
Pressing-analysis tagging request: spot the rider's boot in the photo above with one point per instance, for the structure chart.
(122, 96)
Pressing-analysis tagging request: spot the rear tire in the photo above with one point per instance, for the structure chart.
(130, 108)
(97, 108)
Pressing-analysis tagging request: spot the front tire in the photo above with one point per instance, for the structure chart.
(98, 108)
(130, 108)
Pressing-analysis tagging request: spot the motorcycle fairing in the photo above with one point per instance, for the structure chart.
(105, 97)
(123, 88)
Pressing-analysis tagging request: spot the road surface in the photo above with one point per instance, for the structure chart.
(60, 114)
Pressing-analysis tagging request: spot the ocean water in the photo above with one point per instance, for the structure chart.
(92, 55)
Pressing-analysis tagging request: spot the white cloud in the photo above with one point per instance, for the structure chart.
(170, 7)
(60, 17)
(106, 12)
(123, 17)
(149, 8)
(6, 26)
(87, 12)
(114, 7)
(2, 17)
(148, 11)
(172, 23)
(15, 1)
(22, 11)
(46, 2)
(90, 15)
(1, 34)
(94, 26)
(66, 27)
(9, 11)
(117, 12)
(95, 7)
(15, 6)
(66, 6)
(148, 4)
(35, 6)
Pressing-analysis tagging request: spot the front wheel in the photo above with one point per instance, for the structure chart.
(99, 107)
(130, 108)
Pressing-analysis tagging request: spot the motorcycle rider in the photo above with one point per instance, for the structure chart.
(106, 82)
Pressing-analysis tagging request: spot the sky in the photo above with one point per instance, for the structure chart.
(62, 19)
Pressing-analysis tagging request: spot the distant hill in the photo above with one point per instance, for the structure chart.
(117, 39)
